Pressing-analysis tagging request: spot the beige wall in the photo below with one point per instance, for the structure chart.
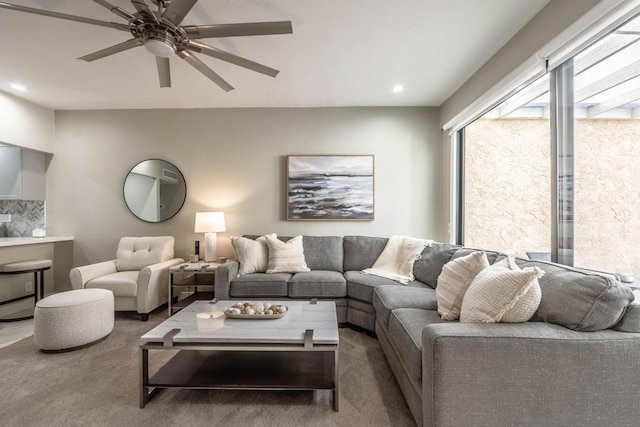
(234, 160)
(26, 124)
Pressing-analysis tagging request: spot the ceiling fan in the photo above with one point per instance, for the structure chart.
(161, 34)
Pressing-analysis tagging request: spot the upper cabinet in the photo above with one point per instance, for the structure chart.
(22, 174)
(27, 125)
(10, 173)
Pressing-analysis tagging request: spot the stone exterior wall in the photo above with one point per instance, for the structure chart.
(607, 195)
(507, 187)
(507, 195)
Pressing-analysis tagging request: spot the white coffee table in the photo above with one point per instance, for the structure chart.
(296, 352)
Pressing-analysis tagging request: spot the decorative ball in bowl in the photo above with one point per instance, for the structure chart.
(221, 259)
(256, 310)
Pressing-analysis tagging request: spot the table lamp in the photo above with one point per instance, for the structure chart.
(209, 223)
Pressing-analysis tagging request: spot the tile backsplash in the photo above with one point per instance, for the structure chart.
(26, 215)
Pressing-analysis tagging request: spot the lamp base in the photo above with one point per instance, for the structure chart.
(210, 247)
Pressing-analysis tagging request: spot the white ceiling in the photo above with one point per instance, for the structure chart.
(341, 53)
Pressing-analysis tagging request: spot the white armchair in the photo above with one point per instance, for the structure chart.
(138, 278)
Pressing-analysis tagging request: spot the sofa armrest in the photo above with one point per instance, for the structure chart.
(79, 276)
(153, 285)
(224, 275)
(532, 373)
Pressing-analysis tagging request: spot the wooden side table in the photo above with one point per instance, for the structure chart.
(198, 278)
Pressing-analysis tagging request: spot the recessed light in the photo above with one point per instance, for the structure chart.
(398, 88)
(19, 87)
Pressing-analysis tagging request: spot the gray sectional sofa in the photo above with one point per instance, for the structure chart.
(577, 362)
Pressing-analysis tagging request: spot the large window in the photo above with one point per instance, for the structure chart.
(607, 153)
(554, 170)
(507, 175)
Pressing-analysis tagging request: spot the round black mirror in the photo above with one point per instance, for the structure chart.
(154, 190)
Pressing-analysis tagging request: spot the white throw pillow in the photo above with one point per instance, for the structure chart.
(502, 293)
(286, 257)
(253, 255)
(454, 281)
(397, 259)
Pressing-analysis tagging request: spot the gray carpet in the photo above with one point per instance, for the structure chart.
(98, 386)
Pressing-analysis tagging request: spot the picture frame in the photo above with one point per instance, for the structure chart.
(331, 187)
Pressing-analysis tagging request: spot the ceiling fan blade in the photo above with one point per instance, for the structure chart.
(115, 25)
(201, 66)
(164, 72)
(120, 47)
(143, 9)
(200, 47)
(177, 10)
(235, 30)
(115, 9)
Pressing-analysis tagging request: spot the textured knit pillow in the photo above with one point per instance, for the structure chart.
(454, 281)
(502, 293)
(286, 257)
(253, 255)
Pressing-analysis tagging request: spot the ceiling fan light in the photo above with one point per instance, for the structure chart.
(160, 48)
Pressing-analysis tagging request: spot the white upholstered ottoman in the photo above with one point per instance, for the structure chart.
(72, 319)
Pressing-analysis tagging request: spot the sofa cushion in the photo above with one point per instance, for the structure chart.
(286, 257)
(630, 321)
(578, 299)
(405, 334)
(323, 252)
(135, 253)
(252, 255)
(260, 285)
(429, 266)
(361, 252)
(122, 284)
(454, 281)
(317, 283)
(502, 293)
(388, 298)
(360, 286)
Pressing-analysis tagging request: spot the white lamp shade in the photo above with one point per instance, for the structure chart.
(210, 222)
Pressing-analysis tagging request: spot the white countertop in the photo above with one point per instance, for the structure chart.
(19, 241)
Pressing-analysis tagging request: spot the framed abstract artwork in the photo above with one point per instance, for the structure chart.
(330, 187)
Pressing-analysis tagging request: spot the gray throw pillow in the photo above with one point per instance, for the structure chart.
(433, 258)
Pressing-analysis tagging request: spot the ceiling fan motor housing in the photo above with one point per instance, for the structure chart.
(159, 38)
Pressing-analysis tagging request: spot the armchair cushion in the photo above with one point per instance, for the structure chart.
(122, 283)
(135, 253)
